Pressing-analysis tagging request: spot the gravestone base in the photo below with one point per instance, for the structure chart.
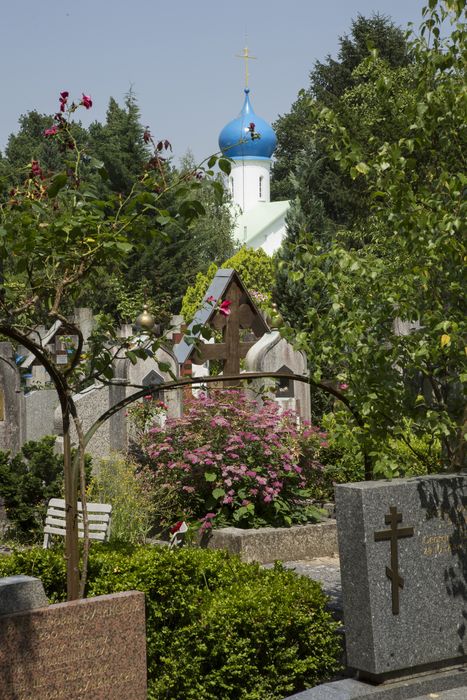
(421, 685)
(409, 673)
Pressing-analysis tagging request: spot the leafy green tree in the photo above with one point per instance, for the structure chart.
(340, 208)
(56, 231)
(329, 80)
(410, 268)
(29, 144)
(168, 265)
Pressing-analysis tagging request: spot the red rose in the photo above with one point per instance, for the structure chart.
(86, 101)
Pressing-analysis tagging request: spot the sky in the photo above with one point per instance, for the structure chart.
(178, 57)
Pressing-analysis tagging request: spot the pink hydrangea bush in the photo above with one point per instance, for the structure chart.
(232, 462)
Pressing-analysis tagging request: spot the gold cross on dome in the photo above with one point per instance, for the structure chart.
(246, 57)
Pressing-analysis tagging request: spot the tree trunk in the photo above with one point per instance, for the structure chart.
(71, 504)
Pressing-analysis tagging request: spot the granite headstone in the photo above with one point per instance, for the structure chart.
(403, 553)
(93, 649)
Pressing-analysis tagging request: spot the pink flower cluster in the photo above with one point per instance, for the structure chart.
(85, 102)
(250, 461)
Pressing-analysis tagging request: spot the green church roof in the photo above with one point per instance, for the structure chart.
(258, 219)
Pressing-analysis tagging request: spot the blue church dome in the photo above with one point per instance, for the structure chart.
(235, 139)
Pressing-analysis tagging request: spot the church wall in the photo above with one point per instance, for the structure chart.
(244, 183)
(270, 238)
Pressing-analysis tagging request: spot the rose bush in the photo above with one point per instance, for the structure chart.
(228, 461)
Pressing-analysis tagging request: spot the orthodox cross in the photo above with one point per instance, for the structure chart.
(246, 57)
(242, 315)
(395, 533)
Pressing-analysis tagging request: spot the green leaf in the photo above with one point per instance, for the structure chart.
(225, 165)
(132, 357)
(218, 493)
(210, 476)
(56, 185)
(362, 168)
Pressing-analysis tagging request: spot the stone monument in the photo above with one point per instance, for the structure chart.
(274, 354)
(403, 556)
(403, 553)
(92, 649)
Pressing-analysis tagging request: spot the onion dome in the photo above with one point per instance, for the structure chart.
(247, 137)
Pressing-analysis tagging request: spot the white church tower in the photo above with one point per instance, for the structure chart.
(250, 142)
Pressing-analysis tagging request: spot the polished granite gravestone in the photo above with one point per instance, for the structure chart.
(92, 649)
(403, 554)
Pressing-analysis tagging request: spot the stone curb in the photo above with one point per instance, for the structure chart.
(269, 544)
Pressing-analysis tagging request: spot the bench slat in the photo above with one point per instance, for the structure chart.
(96, 517)
(96, 527)
(48, 530)
(94, 507)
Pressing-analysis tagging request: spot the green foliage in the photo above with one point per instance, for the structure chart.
(116, 481)
(191, 222)
(119, 143)
(297, 150)
(29, 144)
(228, 461)
(256, 271)
(195, 293)
(406, 455)
(215, 627)
(27, 482)
(404, 262)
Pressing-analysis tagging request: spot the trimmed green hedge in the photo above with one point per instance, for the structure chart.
(216, 627)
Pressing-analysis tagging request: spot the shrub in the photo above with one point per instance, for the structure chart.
(256, 270)
(392, 457)
(116, 482)
(216, 627)
(27, 482)
(230, 461)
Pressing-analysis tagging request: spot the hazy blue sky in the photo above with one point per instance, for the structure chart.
(178, 56)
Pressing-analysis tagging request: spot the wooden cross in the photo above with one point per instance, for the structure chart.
(395, 533)
(232, 348)
(246, 57)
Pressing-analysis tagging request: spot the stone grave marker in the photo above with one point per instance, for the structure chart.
(271, 353)
(12, 422)
(240, 327)
(403, 553)
(92, 649)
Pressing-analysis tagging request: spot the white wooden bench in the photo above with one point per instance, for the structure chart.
(99, 517)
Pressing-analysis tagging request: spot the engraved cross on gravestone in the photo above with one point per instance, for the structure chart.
(395, 533)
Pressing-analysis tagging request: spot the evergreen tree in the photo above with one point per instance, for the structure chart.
(120, 144)
(328, 82)
(30, 144)
(327, 202)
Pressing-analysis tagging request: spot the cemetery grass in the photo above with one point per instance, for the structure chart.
(216, 627)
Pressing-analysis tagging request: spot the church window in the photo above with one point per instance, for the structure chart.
(232, 186)
(260, 189)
